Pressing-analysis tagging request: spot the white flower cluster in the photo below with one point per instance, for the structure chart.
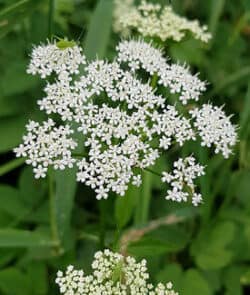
(112, 274)
(46, 145)
(182, 180)
(124, 122)
(49, 58)
(152, 20)
(138, 54)
(214, 127)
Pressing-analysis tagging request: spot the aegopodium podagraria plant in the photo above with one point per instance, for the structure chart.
(116, 112)
(152, 20)
(112, 274)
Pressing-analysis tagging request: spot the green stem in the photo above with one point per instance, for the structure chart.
(53, 223)
(13, 164)
(51, 17)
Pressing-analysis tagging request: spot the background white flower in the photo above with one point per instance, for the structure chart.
(152, 20)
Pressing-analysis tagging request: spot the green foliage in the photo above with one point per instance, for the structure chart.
(48, 224)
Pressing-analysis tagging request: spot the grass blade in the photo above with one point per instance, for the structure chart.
(23, 238)
(99, 30)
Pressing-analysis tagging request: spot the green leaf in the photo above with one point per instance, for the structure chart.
(11, 202)
(16, 81)
(143, 201)
(213, 258)
(11, 131)
(194, 283)
(7, 255)
(37, 273)
(124, 206)
(231, 279)
(23, 238)
(13, 7)
(171, 273)
(234, 78)
(245, 278)
(31, 189)
(99, 30)
(149, 247)
(14, 282)
(64, 200)
(215, 254)
(216, 11)
(245, 115)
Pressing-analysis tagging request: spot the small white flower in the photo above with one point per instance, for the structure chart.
(182, 180)
(49, 58)
(46, 145)
(215, 128)
(136, 180)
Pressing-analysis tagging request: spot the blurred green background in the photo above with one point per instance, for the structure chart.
(208, 250)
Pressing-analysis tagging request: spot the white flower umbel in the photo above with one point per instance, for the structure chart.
(139, 54)
(182, 180)
(112, 274)
(55, 57)
(175, 77)
(46, 145)
(215, 128)
(152, 20)
(122, 121)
